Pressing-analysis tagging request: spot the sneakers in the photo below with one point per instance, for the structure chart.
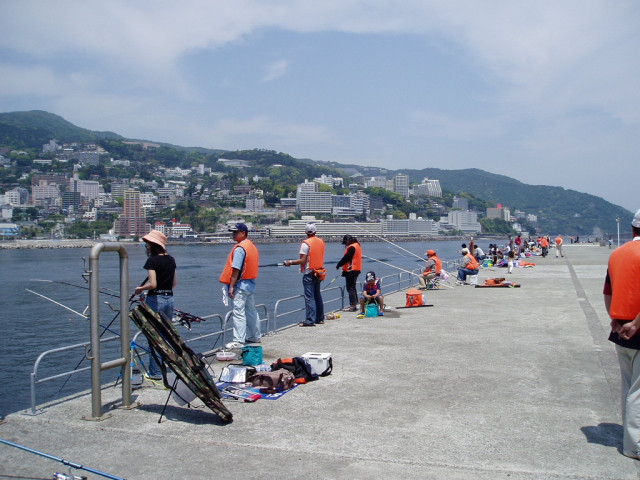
(458, 282)
(253, 340)
(232, 345)
(156, 376)
(631, 454)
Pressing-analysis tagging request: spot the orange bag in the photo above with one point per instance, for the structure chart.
(414, 298)
(320, 273)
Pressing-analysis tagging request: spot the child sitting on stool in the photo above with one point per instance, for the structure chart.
(371, 292)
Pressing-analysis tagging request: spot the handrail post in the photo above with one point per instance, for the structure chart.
(94, 304)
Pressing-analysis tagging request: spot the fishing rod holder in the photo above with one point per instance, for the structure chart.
(124, 362)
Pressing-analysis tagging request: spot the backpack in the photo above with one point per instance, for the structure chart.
(298, 366)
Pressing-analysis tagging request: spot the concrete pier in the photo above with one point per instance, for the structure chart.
(513, 383)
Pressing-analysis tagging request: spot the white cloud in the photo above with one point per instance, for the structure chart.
(275, 70)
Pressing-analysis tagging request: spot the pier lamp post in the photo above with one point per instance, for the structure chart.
(618, 222)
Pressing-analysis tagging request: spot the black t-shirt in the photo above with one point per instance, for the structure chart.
(165, 268)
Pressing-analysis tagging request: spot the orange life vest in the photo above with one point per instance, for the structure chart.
(624, 271)
(356, 262)
(543, 242)
(558, 240)
(316, 252)
(438, 264)
(473, 263)
(250, 267)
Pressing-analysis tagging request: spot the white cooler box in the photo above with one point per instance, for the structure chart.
(319, 362)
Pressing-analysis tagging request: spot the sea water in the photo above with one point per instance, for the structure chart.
(31, 324)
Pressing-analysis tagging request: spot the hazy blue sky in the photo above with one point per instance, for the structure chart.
(547, 92)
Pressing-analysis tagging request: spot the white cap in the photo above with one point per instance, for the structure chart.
(636, 220)
(310, 228)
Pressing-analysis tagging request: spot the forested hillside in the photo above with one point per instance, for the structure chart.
(558, 209)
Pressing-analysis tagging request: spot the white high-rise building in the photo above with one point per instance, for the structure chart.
(429, 188)
(464, 221)
(401, 185)
(309, 200)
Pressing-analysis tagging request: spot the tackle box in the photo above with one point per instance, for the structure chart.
(319, 362)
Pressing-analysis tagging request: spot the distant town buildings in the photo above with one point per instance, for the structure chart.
(462, 220)
(401, 185)
(500, 212)
(461, 203)
(428, 188)
(132, 222)
(136, 199)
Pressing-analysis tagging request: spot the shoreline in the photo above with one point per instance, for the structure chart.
(87, 243)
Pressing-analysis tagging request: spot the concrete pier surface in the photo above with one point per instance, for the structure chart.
(513, 383)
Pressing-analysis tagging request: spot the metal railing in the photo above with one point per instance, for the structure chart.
(34, 380)
(332, 296)
(390, 284)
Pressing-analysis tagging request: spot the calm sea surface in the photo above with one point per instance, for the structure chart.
(31, 325)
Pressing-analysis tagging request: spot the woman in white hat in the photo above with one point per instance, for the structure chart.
(161, 279)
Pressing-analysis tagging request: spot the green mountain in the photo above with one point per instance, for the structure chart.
(35, 128)
(559, 210)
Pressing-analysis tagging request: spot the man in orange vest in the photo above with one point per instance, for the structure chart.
(622, 300)
(469, 266)
(351, 263)
(311, 261)
(432, 269)
(544, 244)
(239, 275)
(559, 246)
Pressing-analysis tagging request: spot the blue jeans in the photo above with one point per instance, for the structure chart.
(161, 304)
(463, 272)
(312, 299)
(245, 317)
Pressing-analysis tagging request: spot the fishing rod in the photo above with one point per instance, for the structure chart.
(59, 304)
(279, 264)
(68, 463)
(105, 329)
(402, 269)
(334, 279)
(389, 241)
(185, 318)
(104, 292)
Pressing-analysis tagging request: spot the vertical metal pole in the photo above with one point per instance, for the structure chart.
(94, 315)
(618, 222)
(125, 334)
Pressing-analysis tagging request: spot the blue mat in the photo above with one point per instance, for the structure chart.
(263, 396)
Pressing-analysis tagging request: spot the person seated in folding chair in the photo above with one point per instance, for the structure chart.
(431, 274)
(371, 293)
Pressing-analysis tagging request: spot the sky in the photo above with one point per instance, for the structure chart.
(545, 91)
